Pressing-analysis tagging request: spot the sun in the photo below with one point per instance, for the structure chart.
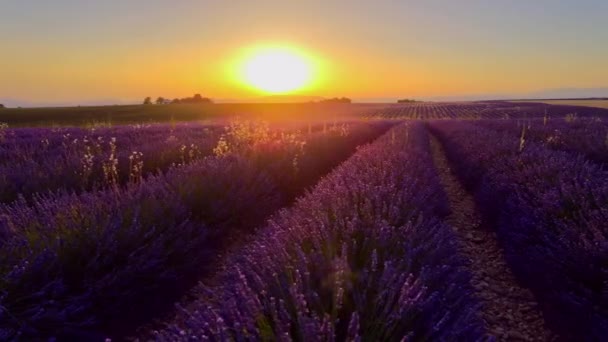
(277, 70)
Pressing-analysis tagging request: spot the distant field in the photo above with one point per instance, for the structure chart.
(126, 114)
(586, 103)
(288, 112)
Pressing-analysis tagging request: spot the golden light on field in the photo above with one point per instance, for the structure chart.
(277, 69)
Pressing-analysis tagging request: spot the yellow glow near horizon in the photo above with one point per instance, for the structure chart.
(277, 70)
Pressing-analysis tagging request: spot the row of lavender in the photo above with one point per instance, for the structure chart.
(550, 212)
(77, 159)
(82, 266)
(484, 110)
(36, 160)
(364, 256)
(588, 137)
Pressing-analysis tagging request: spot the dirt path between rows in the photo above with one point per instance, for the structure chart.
(509, 311)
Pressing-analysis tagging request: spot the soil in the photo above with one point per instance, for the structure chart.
(509, 310)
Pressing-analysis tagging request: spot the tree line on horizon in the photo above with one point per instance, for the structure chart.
(197, 98)
(335, 100)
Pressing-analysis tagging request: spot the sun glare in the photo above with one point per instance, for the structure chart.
(277, 70)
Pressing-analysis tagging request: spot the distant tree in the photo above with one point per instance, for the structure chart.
(160, 100)
(197, 98)
(148, 100)
(337, 100)
(406, 101)
(2, 106)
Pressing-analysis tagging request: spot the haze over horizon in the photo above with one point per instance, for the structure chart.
(66, 52)
(543, 94)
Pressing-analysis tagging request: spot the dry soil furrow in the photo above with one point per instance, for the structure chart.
(509, 311)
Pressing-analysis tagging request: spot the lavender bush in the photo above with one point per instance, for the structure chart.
(588, 137)
(41, 160)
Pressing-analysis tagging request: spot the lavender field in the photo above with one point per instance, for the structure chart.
(424, 221)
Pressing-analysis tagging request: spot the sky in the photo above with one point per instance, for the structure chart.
(83, 51)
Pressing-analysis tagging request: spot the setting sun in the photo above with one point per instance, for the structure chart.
(277, 70)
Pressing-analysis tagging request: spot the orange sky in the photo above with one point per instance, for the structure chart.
(78, 51)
